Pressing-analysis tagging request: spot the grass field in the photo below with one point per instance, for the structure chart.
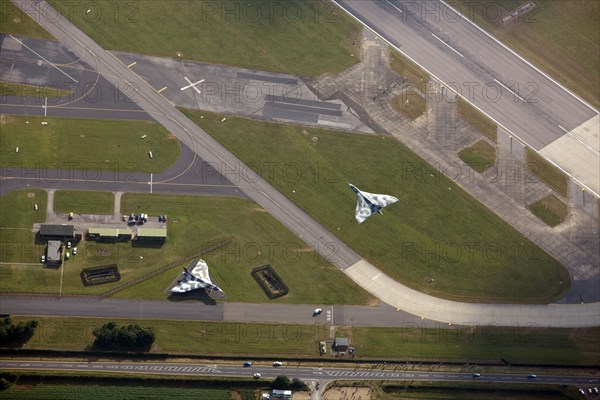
(17, 240)
(403, 66)
(476, 119)
(562, 38)
(21, 90)
(425, 235)
(16, 22)
(90, 144)
(299, 37)
(410, 104)
(480, 156)
(547, 172)
(469, 391)
(196, 223)
(550, 210)
(529, 345)
(83, 202)
(108, 392)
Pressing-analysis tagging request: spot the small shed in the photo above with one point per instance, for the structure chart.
(53, 252)
(341, 345)
(281, 394)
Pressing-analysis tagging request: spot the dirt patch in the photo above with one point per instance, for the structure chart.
(30, 194)
(6, 119)
(301, 396)
(235, 395)
(348, 393)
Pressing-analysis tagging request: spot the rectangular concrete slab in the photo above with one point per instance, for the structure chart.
(267, 78)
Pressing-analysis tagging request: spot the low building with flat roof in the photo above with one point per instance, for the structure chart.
(158, 235)
(341, 345)
(56, 232)
(110, 234)
(281, 394)
(54, 252)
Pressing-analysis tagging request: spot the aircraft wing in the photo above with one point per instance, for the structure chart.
(382, 200)
(363, 211)
(200, 271)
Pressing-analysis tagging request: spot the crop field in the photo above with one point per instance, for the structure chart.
(86, 144)
(436, 231)
(296, 36)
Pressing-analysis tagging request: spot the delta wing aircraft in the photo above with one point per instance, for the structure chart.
(198, 278)
(368, 204)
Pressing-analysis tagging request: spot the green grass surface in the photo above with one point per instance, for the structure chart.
(416, 104)
(550, 210)
(529, 345)
(404, 67)
(298, 37)
(479, 156)
(16, 22)
(476, 119)
(562, 38)
(547, 172)
(196, 223)
(84, 202)
(21, 90)
(108, 392)
(102, 146)
(17, 240)
(425, 235)
(518, 345)
(469, 391)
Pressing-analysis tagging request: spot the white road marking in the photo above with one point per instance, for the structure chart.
(579, 140)
(132, 64)
(192, 85)
(42, 57)
(507, 88)
(450, 47)
(151, 177)
(390, 3)
(160, 90)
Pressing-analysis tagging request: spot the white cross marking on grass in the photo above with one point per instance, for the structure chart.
(192, 85)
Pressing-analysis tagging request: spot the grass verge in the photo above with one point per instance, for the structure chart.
(84, 202)
(16, 22)
(562, 38)
(476, 119)
(550, 210)
(547, 172)
(22, 90)
(404, 67)
(427, 234)
(480, 156)
(528, 345)
(86, 144)
(298, 37)
(410, 104)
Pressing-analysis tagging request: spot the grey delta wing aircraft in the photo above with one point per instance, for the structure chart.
(368, 204)
(198, 278)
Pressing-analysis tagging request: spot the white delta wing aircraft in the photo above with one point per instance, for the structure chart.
(368, 204)
(198, 278)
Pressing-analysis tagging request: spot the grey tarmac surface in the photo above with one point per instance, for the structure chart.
(294, 370)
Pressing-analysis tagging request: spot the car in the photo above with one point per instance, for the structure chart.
(67, 255)
(256, 375)
(582, 392)
(532, 376)
(595, 390)
(317, 311)
(124, 217)
(248, 364)
(476, 375)
(43, 259)
(160, 218)
(71, 215)
(74, 250)
(590, 391)
(68, 245)
(322, 347)
(277, 363)
(165, 218)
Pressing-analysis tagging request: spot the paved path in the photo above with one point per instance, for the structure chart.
(289, 214)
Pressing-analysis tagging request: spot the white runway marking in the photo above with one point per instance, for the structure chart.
(390, 3)
(192, 85)
(160, 90)
(450, 47)
(507, 88)
(42, 57)
(132, 64)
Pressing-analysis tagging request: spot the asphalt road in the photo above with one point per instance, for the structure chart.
(306, 374)
(463, 57)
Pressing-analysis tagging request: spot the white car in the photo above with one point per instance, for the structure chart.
(74, 250)
(67, 255)
(43, 259)
(317, 311)
(256, 375)
(68, 245)
(277, 363)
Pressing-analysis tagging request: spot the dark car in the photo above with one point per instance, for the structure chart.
(248, 364)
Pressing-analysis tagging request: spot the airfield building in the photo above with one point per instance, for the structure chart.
(277, 394)
(54, 253)
(341, 345)
(151, 235)
(110, 234)
(57, 232)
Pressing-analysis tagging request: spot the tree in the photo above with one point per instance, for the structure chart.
(282, 382)
(132, 335)
(16, 334)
